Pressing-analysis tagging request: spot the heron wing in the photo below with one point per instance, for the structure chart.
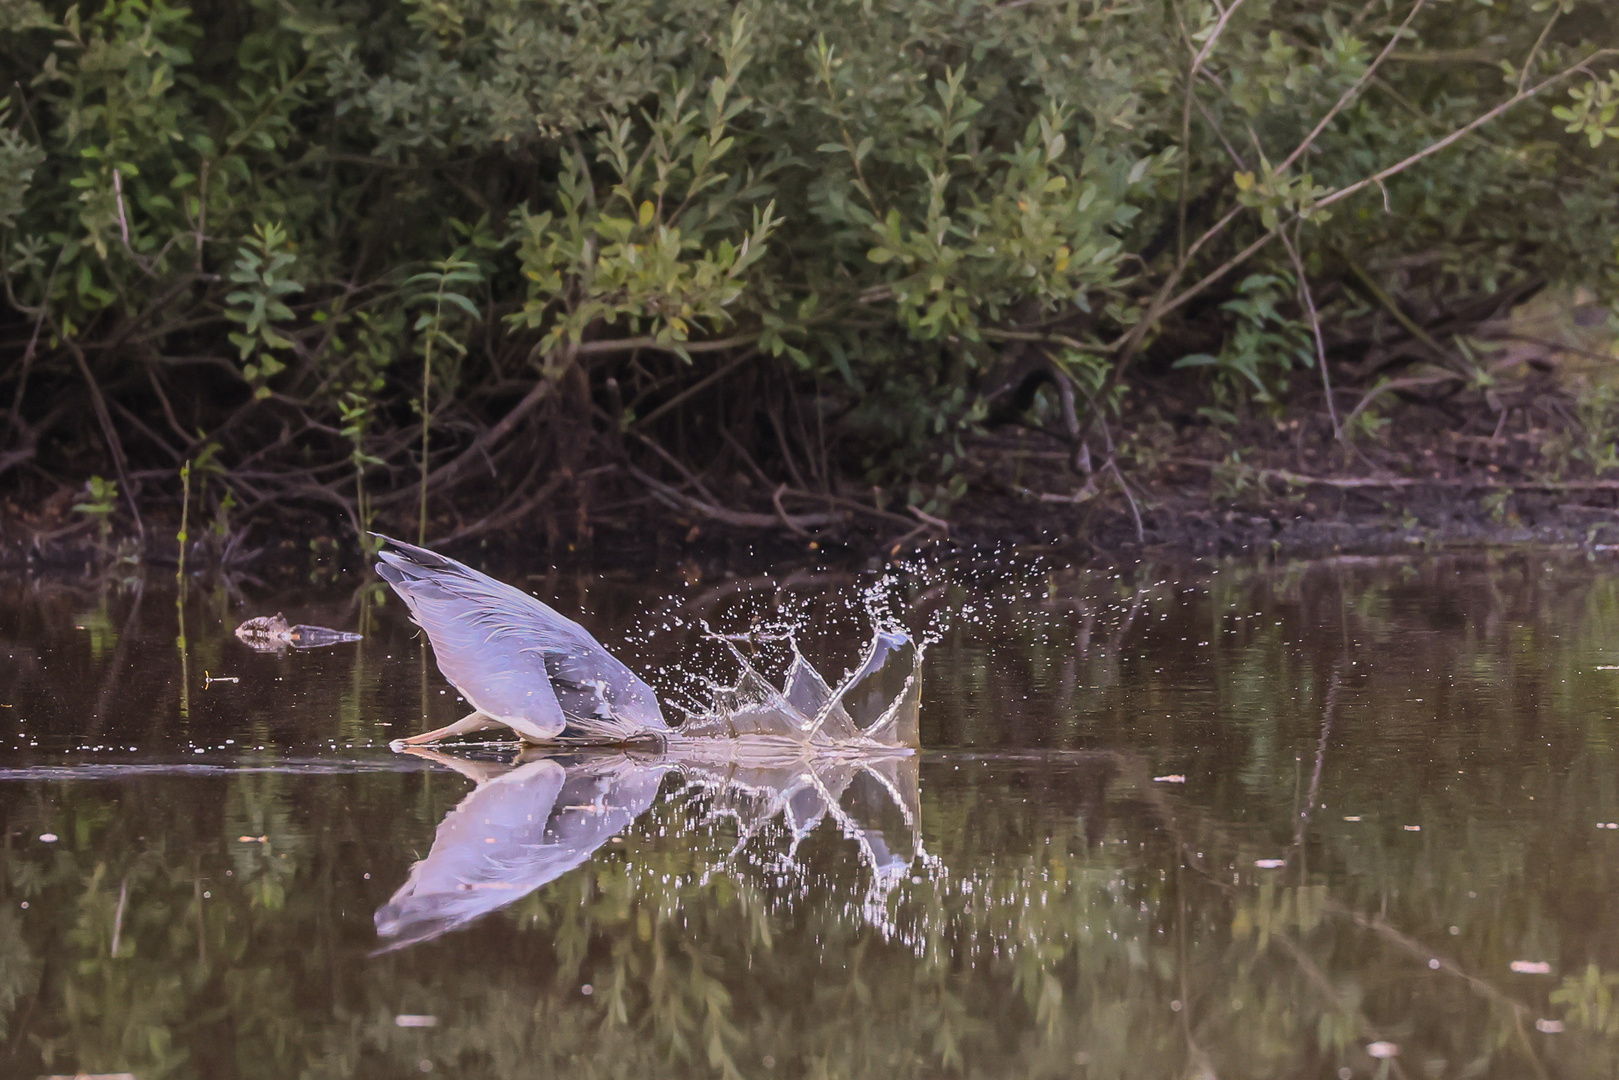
(511, 655)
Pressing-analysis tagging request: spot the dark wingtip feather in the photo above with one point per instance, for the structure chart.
(420, 556)
(408, 567)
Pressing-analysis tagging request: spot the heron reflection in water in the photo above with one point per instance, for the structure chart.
(803, 754)
(532, 820)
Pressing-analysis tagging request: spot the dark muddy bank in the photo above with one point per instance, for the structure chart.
(1190, 506)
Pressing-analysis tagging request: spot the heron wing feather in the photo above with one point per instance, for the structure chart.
(513, 656)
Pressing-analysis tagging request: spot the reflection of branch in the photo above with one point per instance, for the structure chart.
(1484, 989)
(1318, 979)
(1132, 768)
(1320, 753)
(116, 666)
(1193, 1048)
(1311, 970)
(118, 918)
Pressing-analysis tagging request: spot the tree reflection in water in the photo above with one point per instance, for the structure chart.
(1395, 777)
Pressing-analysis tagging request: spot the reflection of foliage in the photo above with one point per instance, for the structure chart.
(1076, 911)
(19, 967)
(1589, 1000)
(257, 811)
(1063, 950)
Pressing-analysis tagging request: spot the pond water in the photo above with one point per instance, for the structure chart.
(1356, 818)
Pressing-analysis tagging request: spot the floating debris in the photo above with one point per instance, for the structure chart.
(1351, 817)
(1382, 1050)
(209, 680)
(1531, 967)
(412, 1020)
(270, 633)
(1172, 778)
(1413, 828)
(47, 838)
(1270, 864)
(252, 839)
(1549, 1027)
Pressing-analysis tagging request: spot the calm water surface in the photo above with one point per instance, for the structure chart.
(1350, 819)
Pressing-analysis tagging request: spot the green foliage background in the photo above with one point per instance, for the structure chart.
(534, 255)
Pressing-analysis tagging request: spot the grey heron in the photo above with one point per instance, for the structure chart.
(519, 663)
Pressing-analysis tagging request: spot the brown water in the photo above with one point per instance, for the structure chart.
(1394, 851)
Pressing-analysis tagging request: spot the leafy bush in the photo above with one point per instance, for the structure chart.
(732, 255)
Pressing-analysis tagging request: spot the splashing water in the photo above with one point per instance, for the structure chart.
(876, 705)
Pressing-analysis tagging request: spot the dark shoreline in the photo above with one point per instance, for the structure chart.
(1185, 527)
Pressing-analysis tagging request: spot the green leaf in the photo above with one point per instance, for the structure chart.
(463, 303)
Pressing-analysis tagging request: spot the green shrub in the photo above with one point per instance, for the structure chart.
(783, 243)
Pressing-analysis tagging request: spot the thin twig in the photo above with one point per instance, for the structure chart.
(1384, 387)
(1135, 511)
(1529, 61)
(1214, 37)
(697, 387)
(115, 446)
(1315, 329)
(928, 519)
(123, 222)
(1460, 133)
(1389, 304)
(781, 513)
(1352, 93)
(680, 500)
(1374, 482)
(33, 338)
(596, 348)
(472, 454)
